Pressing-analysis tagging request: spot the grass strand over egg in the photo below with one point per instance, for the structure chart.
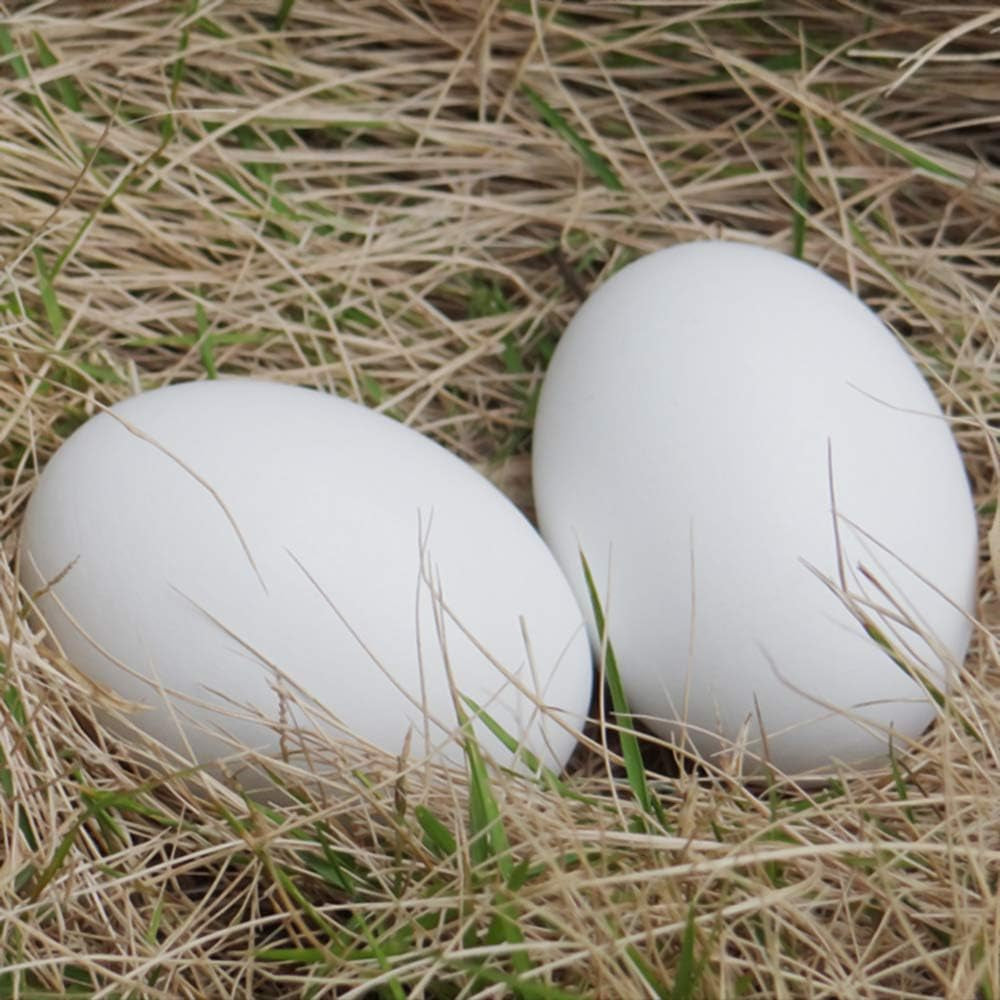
(635, 767)
(405, 204)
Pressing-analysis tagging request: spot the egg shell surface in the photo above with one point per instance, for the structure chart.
(233, 543)
(705, 413)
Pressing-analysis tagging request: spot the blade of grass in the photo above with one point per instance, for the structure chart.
(53, 311)
(284, 12)
(489, 842)
(592, 160)
(933, 691)
(504, 929)
(690, 969)
(127, 178)
(13, 54)
(65, 86)
(300, 956)
(168, 126)
(800, 193)
(908, 155)
(523, 988)
(22, 71)
(890, 272)
(179, 65)
(684, 978)
(206, 341)
(395, 989)
(635, 768)
(489, 839)
(65, 845)
(436, 835)
(331, 871)
(898, 781)
(659, 989)
(546, 775)
(211, 27)
(154, 923)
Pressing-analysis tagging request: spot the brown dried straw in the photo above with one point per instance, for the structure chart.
(403, 202)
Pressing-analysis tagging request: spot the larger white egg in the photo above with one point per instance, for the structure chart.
(224, 552)
(706, 413)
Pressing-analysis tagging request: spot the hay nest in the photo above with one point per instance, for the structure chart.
(404, 203)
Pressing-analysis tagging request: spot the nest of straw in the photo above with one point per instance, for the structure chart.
(404, 203)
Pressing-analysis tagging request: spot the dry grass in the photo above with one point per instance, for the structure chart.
(377, 198)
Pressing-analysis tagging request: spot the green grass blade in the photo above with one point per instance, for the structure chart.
(154, 923)
(22, 71)
(800, 193)
(547, 776)
(593, 160)
(301, 956)
(16, 713)
(890, 272)
(284, 12)
(127, 178)
(206, 342)
(905, 153)
(525, 989)
(13, 54)
(282, 878)
(25, 875)
(13, 703)
(688, 969)
(504, 929)
(899, 782)
(380, 957)
(210, 27)
(635, 769)
(59, 856)
(653, 981)
(915, 674)
(488, 837)
(100, 805)
(436, 835)
(179, 65)
(64, 85)
(331, 871)
(53, 311)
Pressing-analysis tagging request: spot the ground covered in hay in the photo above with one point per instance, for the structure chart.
(404, 202)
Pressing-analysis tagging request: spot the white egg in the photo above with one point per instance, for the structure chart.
(214, 547)
(704, 414)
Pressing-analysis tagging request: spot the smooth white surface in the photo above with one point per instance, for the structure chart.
(681, 441)
(321, 487)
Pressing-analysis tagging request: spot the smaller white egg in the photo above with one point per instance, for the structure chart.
(224, 552)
